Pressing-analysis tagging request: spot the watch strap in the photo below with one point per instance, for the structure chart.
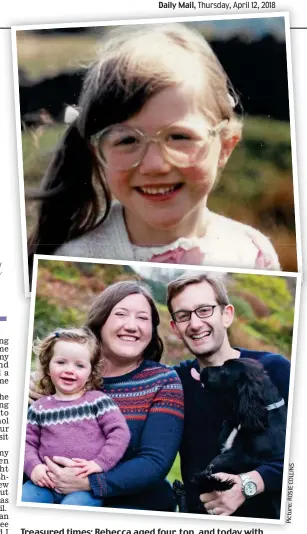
(245, 478)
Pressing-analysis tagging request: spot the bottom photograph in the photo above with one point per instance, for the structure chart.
(158, 388)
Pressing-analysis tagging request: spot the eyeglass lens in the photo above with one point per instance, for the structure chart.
(203, 312)
(124, 147)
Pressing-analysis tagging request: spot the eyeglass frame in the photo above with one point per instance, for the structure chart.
(95, 138)
(212, 306)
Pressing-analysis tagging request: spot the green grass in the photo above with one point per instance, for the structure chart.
(37, 149)
(175, 472)
(46, 55)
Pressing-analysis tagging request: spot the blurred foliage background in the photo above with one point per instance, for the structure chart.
(256, 186)
(264, 305)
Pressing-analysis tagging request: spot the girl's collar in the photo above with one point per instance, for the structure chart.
(67, 400)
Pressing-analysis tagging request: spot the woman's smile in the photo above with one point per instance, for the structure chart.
(128, 330)
(129, 339)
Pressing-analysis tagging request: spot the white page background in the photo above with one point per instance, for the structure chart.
(16, 307)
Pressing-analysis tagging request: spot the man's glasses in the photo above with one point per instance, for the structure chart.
(123, 148)
(203, 312)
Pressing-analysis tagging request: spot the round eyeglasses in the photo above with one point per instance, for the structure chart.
(123, 147)
(203, 312)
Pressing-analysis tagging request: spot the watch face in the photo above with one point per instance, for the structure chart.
(250, 488)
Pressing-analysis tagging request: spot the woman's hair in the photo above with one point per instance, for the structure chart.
(136, 63)
(45, 349)
(112, 295)
(176, 287)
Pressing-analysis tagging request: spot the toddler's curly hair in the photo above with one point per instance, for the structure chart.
(44, 350)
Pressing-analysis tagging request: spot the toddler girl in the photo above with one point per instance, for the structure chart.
(157, 123)
(72, 419)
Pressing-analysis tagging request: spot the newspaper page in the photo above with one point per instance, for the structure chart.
(152, 299)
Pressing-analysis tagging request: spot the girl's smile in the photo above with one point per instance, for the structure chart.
(159, 192)
(70, 368)
(163, 201)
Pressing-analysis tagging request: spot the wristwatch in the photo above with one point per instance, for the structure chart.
(249, 487)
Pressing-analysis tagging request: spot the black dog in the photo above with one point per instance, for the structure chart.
(254, 433)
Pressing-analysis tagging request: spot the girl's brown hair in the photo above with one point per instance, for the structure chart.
(44, 349)
(112, 295)
(136, 63)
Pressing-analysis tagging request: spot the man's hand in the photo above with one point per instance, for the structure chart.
(64, 478)
(224, 502)
(227, 502)
(86, 467)
(39, 477)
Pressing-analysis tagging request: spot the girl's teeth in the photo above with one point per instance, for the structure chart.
(128, 338)
(157, 190)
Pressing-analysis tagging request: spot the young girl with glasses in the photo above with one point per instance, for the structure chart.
(132, 175)
(73, 419)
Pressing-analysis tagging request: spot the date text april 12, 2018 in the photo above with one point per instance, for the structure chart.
(218, 5)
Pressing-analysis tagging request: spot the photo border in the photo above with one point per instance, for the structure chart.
(200, 268)
(154, 20)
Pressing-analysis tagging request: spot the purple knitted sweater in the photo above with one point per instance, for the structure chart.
(91, 427)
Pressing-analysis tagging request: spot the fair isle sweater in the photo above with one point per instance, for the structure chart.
(91, 427)
(226, 243)
(151, 399)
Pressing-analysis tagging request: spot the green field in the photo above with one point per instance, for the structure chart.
(175, 473)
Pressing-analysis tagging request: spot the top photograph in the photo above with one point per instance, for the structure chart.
(167, 142)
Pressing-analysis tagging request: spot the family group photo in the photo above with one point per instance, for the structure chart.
(157, 388)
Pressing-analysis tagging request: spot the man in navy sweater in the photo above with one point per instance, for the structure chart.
(201, 315)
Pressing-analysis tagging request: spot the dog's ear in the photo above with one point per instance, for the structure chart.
(251, 409)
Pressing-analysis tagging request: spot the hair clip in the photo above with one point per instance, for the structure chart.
(231, 101)
(57, 334)
(71, 113)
